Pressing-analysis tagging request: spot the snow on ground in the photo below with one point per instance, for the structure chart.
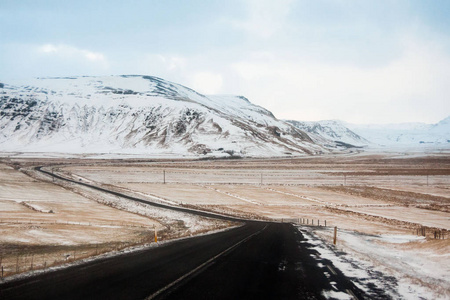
(389, 262)
(48, 224)
(381, 251)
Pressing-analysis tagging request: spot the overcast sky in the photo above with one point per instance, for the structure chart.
(358, 61)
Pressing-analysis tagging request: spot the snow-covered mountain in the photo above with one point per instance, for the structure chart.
(138, 114)
(323, 131)
(406, 134)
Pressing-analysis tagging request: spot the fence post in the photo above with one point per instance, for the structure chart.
(335, 235)
(325, 223)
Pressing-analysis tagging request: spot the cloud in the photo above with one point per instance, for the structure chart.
(67, 51)
(265, 17)
(412, 87)
(207, 82)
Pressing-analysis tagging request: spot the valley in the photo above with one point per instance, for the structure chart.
(382, 201)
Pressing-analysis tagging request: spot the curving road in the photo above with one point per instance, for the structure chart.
(258, 260)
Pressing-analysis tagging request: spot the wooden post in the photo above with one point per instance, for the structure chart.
(318, 222)
(335, 235)
(325, 223)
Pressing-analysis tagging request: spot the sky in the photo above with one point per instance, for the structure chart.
(357, 61)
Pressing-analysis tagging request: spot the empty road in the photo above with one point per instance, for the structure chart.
(258, 260)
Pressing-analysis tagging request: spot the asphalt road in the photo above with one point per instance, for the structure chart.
(258, 260)
(255, 261)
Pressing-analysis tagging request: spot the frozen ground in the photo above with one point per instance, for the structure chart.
(43, 224)
(404, 266)
(378, 201)
(378, 205)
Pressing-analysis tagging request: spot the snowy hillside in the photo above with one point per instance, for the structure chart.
(322, 131)
(138, 114)
(406, 134)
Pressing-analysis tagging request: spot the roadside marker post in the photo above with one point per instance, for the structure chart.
(335, 235)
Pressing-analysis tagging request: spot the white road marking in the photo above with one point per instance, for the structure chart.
(157, 293)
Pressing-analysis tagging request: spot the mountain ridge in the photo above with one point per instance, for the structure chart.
(139, 113)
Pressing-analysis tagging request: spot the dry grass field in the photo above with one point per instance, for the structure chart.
(381, 199)
(412, 192)
(45, 223)
(391, 211)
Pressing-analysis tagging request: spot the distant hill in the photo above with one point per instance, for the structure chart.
(406, 134)
(331, 130)
(139, 114)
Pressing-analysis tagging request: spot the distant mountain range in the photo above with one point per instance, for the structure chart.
(139, 114)
(136, 114)
(324, 131)
(375, 135)
(406, 134)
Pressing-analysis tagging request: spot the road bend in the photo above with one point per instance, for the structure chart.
(258, 260)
